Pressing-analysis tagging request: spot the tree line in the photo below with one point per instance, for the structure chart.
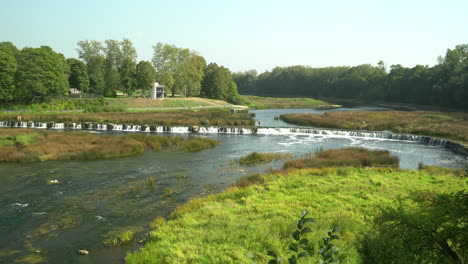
(445, 84)
(105, 68)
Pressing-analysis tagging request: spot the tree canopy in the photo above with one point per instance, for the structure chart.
(145, 76)
(445, 84)
(180, 70)
(78, 77)
(218, 84)
(8, 68)
(41, 71)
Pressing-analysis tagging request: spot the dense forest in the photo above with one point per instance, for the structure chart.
(445, 84)
(104, 69)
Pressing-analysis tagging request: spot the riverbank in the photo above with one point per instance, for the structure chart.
(165, 118)
(20, 145)
(259, 102)
(209, 229)
(449, 125)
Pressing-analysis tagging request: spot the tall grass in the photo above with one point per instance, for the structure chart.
(354, 157)
(258, 157)
(240, 225)
(166, 118)
(449, 125)
(53, 145)
(281, 102)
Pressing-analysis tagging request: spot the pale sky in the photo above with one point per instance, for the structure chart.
(249, 34)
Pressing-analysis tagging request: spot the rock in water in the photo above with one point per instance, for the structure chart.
(83, 252)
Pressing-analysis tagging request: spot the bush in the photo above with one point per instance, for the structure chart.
(426, 228)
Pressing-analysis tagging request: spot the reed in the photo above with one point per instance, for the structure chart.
(258, 157)
(352, 157)
(450, 125)
(53, 145)
(166, 118)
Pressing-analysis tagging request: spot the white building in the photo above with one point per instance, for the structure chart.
(157, 91)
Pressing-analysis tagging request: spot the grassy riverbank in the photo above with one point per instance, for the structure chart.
(108, 104)
(166, 118)
(450, 125)
(258, 102)
(240, 225)
(22, 145)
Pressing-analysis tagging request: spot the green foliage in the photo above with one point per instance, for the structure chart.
(239, 224)
(8, 68)
(78, 77)
(257, 157)
(41, 71)
(426, 227)
(145, 76)
(329, 251)
(300, 246)
(180, 70)
(442, 85)
(218, 84)
(356, 157)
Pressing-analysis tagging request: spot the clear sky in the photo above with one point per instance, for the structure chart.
(249, 34)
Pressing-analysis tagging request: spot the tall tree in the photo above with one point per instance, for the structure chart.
(111, 65)
(41, 71)
(91, 53)
(78, 77)
(10, 46)
(180, 70)
(145, 76)
(127, 67)
(127, 73)
(8, 67)
(218, 84)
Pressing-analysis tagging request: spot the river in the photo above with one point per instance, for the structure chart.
(93, 199)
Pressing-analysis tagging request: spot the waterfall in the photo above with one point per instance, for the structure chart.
(322, 132)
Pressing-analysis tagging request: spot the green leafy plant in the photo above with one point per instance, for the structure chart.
(329, 251)
(300, 247)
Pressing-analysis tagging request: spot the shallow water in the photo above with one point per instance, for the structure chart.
(94, 198)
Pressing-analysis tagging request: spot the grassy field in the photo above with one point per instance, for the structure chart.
(241, 224)
(166, 118)
(109, 104)
(167, 102)
(257, 102)
(450, 125)
(22, 145)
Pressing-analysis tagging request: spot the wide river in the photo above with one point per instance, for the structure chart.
(95, 199)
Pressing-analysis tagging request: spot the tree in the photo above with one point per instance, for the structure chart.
(427, 228)
(127, 66)
(180, 70)
(41, 71)
(218, 84)
(91, 53)
(9, 46)
(111, 65)
(8, 67)
(78, 77)
(145, 76)
(127, 75)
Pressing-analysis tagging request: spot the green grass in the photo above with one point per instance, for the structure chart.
(282, 102)
(356, 157)
(230, 226)
(258, 157)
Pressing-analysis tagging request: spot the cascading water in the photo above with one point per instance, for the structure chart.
(382, 135)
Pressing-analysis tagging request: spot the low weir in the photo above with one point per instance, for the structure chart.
(457, 148)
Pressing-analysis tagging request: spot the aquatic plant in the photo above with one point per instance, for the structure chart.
(258, 157)
(355, 157)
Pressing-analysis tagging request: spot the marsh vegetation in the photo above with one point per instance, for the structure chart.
(21, 145)
(450, 125)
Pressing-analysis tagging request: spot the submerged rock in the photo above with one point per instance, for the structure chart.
(82, 252)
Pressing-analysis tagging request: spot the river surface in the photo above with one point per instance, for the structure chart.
(95, 199)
